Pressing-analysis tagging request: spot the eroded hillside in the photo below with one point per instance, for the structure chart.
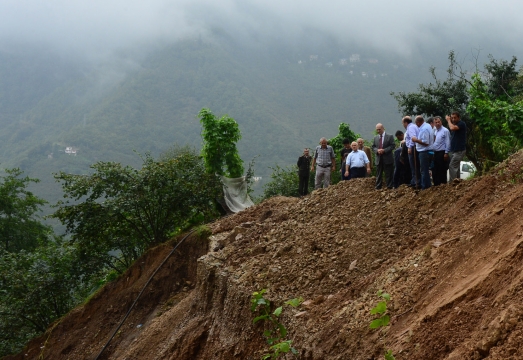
(449, 256)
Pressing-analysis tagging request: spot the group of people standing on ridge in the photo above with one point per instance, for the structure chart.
(425, 147)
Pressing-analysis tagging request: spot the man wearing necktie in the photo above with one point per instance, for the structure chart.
(383, 147)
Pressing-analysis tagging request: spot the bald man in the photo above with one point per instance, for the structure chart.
(383, 147)
(324, 161)
(366, 149)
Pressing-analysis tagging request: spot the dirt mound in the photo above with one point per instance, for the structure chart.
(449, 256)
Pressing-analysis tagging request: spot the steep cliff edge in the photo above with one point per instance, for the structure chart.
(449, 256)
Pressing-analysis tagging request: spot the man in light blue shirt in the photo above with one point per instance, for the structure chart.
(356, 163)
(424, 142)
(412, 131)
(441, 152)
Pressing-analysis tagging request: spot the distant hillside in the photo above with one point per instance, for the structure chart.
(283, 99)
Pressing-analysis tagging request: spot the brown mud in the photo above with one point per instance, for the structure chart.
(450, 257)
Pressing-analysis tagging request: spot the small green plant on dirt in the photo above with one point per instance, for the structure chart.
(276, 332)
(384, 319)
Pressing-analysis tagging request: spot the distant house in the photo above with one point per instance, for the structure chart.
(343, 62)
(364, 74)
(71, 150)
(354, 58)
(313, 57)
(373, 61)
(329, 64)
(50, 156)
(300, 62)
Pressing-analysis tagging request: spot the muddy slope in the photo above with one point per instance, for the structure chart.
(449, 256)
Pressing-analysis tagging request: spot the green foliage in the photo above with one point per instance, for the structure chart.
(389, 355)
(37, 288)
(117, 212)
(284, 182)
(344, 133)
(19, 225)
(276, 333)
(380, 309)
(219, 144)
(438, 98)
(500, 121)
(502, 75)
(279, 349)
(383, 319)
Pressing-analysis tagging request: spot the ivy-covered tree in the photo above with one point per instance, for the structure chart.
(20, 227)
(219, 151)
(117, 212)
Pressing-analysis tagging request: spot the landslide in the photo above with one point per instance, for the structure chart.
(449, 256)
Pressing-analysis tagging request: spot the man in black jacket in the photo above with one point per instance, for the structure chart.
(402, 173)
(304, 164)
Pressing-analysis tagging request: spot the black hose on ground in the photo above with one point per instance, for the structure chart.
(143, 289)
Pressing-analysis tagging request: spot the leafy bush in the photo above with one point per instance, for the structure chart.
(383, 319)
(37, 288)
(276, 332)
(284, 182)
(19, 225)
(117, 212)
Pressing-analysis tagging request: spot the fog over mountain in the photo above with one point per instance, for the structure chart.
(94, 74)
(97, 28)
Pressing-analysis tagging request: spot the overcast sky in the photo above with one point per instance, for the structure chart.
(401, 26)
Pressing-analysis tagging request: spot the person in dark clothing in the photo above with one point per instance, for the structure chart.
(402, 172)
(383, 148)
(343, 154)
(458, 143)
(304, 164)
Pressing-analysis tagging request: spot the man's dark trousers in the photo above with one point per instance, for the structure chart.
(357, 172)
(303, 187)
(389, 170)
(400, 170)
(414, 168)
(439, 174)
(424, 163)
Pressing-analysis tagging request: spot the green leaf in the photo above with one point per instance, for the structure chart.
(283, 330)
(376, 323)
(386, 296)
(261, 317)
(380, 308)
(295, 302)
(278, 311)
(389, 355)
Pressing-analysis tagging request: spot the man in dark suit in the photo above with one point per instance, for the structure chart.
(383, 147)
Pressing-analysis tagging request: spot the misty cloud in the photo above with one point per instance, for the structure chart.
(401, 26)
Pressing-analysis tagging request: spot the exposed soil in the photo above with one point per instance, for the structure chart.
(449, 256)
